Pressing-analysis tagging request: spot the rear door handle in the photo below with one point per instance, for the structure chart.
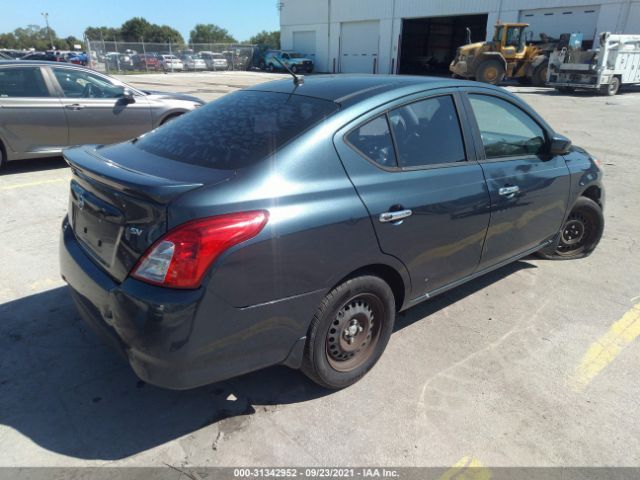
(509, 191)
(388, 217)
(74, 106)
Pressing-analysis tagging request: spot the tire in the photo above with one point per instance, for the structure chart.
(362, 311)
(3, 158)
(612, 88)
(294, 68)
(490, 71)
(539, 77)
(270, 68)
(523, 80)
(580, 233)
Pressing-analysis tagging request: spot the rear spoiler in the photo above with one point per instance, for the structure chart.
(87, 163)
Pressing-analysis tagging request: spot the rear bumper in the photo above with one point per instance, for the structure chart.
(182, 339)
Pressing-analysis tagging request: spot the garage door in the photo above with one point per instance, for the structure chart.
(305, 43)
(555, 21)
(359, 47)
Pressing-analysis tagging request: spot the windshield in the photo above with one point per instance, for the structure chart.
(237, 130)
(513, 37)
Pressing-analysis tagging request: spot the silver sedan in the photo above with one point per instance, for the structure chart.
(47, 106)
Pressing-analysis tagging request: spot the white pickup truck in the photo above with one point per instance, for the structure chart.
(615, 63)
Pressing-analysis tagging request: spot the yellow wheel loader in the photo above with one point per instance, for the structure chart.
(506, 55)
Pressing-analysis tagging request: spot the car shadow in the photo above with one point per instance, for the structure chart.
(32, 165)
(66, 391)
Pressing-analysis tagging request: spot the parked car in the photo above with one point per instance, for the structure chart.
(149, 61)
(118, 61)
(44, 57)
(288, 224)
(215, 61)
(46, 107)
(171, 63)
(77, 58)
(14, 54)
(193, 62)
(274, 59)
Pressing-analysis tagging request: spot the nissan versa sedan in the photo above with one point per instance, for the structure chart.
(46, 106)
(288, 224)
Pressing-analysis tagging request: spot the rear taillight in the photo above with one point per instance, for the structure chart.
(181, 257)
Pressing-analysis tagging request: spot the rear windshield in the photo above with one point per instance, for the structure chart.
(237, 130)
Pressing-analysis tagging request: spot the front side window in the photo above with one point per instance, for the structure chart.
(505, 129)
(373, 140)
(22, 82)
(79, 84)
(427, 133)
(238, 130)
(497, 36)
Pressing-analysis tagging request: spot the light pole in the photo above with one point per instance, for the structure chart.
(46, 20)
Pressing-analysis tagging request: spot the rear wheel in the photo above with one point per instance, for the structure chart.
(580, 233)
(490, 71)
(270, 67)
(539, 77)
(349, 332)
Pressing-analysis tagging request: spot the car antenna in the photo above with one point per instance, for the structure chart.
(297, 80)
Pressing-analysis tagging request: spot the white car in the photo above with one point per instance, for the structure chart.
(194, 62)
(171, 63)
(215, 61)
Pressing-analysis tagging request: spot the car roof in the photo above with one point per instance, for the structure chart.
(352, 88)
(41, 63)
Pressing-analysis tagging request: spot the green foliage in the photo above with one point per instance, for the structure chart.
(266, 39)
(32, 36)
(209, 33)
(135, 30)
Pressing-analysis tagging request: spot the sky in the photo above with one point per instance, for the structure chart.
(242, 18)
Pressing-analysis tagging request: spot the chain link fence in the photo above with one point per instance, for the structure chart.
(135, 57)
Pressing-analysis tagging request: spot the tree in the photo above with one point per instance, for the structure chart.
(210, 33)
(134, 29)
(266, 39)
(102, 33)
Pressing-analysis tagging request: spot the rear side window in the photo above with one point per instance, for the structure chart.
(373, 140)
(506, 131)
(427, 132)
(237, 130)
(22, 82)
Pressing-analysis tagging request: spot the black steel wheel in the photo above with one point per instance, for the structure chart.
(349, 332)
(580, 233)
(539, 77)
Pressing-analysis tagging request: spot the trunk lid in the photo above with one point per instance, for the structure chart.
(119, 197)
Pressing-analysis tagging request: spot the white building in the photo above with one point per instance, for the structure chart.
(418, 36)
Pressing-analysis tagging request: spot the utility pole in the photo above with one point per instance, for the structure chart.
(46, 20)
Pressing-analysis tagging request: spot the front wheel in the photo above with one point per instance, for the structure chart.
(612, 88)
(580, 233)
(490, 71)
(349, 332)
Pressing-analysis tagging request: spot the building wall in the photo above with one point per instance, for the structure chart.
(326, 17)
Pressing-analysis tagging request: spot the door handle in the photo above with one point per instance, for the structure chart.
(74, 106)
(388, 217)
(509, 191)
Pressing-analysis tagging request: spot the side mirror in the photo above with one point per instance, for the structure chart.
(560, 145)
(127, 95)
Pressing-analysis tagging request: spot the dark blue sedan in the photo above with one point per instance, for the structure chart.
(288, 224)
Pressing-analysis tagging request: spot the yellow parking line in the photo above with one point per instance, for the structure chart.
(467, 468)
(32, 184)
(605, 350)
